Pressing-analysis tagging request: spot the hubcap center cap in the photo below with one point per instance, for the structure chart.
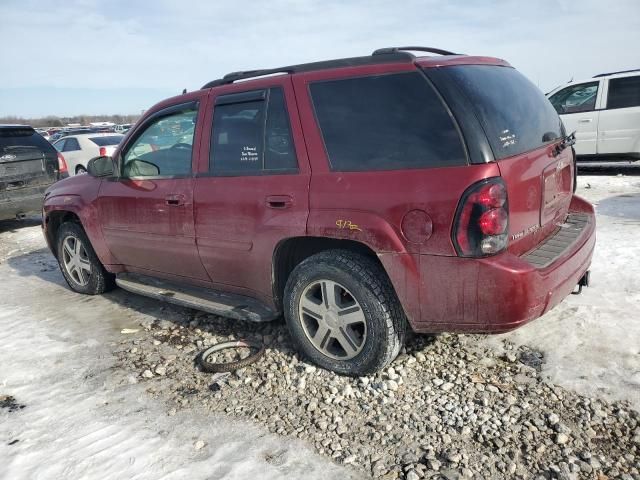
(332, 319)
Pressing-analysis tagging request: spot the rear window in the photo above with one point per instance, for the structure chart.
(106, 141)
(385, 122)
(19, 140)
(515, 114)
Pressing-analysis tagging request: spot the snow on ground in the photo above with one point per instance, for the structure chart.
(591, 342)
(82, 419)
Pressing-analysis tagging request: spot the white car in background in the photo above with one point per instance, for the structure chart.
(604, 111)
(77, 150)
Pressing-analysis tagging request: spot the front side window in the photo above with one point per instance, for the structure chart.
(624, 92)
(385, 122)
(576, 98)
(164, 147)
(252, 137)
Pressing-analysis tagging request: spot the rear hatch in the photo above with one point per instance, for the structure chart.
(525, 133)
(26, 159)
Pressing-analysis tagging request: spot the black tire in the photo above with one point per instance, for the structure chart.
(369, 285)
(80, 170)
(99, 280)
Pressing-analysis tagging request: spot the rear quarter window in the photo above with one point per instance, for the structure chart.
(515, 114)
(624, 92)
(385, 122)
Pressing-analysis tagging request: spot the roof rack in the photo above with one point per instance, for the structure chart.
(384, 51)
(614, 73)
(382, 55)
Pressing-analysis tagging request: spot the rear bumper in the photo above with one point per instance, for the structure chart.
(500, 293)
(21, 201)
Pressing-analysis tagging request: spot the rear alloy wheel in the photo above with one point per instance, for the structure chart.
(80, 170)
(79, 263)
(343, 313)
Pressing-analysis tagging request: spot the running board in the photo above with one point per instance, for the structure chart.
(228, 305)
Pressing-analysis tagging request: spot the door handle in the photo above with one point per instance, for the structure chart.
(585, 120)
(279, 201)
(174, 200)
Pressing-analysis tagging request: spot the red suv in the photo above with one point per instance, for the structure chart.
(353, 196)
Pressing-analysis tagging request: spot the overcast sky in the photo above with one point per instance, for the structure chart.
(121, 56)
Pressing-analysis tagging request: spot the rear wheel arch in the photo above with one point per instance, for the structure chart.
(292, 251)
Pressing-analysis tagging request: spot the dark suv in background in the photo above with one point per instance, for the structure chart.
(355, 196)
(28, 165)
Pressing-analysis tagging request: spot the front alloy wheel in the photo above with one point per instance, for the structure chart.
(76, 261)
(79, 263)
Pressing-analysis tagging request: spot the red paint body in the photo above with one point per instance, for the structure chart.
(224, 232)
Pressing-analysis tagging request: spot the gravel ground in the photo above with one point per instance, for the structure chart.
(446, 408)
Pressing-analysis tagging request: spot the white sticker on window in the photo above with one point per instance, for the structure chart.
(249, 154)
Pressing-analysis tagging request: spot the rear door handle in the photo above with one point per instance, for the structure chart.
(279, 201)
(174, 200)
(585, 120)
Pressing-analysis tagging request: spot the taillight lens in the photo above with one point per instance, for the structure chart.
(62, 164)
(482, 219)
(103, 152)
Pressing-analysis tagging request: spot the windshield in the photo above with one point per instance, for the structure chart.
(515, 114)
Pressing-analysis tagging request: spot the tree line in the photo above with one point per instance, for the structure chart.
(55, 121)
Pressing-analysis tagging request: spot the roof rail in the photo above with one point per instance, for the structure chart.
(614, 73)
(383, 51)
(382, 57)
(234, 76)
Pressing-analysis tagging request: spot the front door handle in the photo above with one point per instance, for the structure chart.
(279, 201)
(174, 200)
(585, 120)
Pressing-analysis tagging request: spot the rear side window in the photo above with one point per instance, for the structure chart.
(59, 145)
(108, 140)
(624, 92)
(71, 145)
(385, 122)
(576, 98)
(251, 134)
(515, 114)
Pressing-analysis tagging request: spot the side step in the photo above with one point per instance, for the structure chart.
(228, 305)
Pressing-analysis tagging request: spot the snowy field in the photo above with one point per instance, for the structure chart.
(85, 418)
(592, 341)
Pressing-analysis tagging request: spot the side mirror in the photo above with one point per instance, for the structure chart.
(100, 167)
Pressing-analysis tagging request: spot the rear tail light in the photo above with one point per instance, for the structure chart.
(103, 152)
(62, 164)
(482, 219)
